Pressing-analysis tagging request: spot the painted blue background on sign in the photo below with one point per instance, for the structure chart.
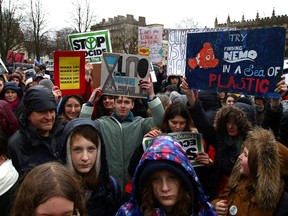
(249, 61)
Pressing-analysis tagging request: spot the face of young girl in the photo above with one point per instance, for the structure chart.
(177, 124)
(232, 128)
(244, 169)
(108, 102)
(72, 108)
(83, 154)
(166, 187)
(55, 206)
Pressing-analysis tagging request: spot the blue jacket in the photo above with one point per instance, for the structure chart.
(167, 149)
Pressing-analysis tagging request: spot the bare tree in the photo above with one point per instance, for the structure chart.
(61, 38)
(125, 40)
(11, 36)
(82, 16)
(186, 23)
(37, 28)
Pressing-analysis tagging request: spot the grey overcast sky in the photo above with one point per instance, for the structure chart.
(168, 12)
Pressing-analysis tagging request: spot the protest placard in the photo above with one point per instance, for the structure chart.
(69, 71)
(150, 43)
(177, 43)
(94, 44)
(249, 62)
(121, 74)
(191, 142)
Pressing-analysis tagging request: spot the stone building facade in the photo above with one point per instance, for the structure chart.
(266, 22)
(123, 32)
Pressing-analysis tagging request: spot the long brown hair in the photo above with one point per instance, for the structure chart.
(176, 108)
(149, 202)
(44, 182)
(90, 179)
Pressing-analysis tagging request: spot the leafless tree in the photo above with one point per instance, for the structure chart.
(125, 41)
(186, 23)
(61, 38)
(11, 36)
(83, 16)
(37, 28)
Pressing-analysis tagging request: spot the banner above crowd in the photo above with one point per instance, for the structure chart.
(244, 61)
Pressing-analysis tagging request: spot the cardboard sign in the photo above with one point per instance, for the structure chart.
(246, 61)
(93, 43)
(192, 143)
(69, 72)
(150, 43)
(122, 73)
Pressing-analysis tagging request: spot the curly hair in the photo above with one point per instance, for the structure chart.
(239, 117)
(149, 201)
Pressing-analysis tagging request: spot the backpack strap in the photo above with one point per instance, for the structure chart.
(115, 186)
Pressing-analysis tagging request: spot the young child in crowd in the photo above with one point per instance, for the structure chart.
(165, 183)
(256, 186)
(49, 189)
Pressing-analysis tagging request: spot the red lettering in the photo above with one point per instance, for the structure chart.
(262, 88)
(212, 78)
(250, 82)
(243, 84)
(231, 82)
(219, 82)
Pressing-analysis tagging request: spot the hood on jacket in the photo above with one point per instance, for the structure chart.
(268, 178)
(165, 152)
(101, 163)
(64, 100)
(239, 116)
(248, 109)
(8, 121)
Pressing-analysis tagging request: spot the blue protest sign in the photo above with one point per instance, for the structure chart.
(243, 61)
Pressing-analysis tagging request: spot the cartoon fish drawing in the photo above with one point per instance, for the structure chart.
(204, 59)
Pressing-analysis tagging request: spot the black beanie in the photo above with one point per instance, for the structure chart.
(11, 86)
(39, 98)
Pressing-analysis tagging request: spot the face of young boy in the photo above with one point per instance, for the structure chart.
(123, 105)
(83, 154)
(166, 187)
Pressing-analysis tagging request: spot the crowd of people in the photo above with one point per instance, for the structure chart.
(84, 154)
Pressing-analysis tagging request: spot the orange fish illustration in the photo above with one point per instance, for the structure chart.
(204, 59)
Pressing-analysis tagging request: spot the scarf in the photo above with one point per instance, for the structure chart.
(14, 103)
(8, 176)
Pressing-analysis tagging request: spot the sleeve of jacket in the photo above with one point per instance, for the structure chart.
(157, 111)
(202, 123)
(12, 153)
(283, 151)
(222, 196)
(272, 119)
(86, 111)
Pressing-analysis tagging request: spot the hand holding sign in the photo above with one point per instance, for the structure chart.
(281, 86)
(148, 86)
